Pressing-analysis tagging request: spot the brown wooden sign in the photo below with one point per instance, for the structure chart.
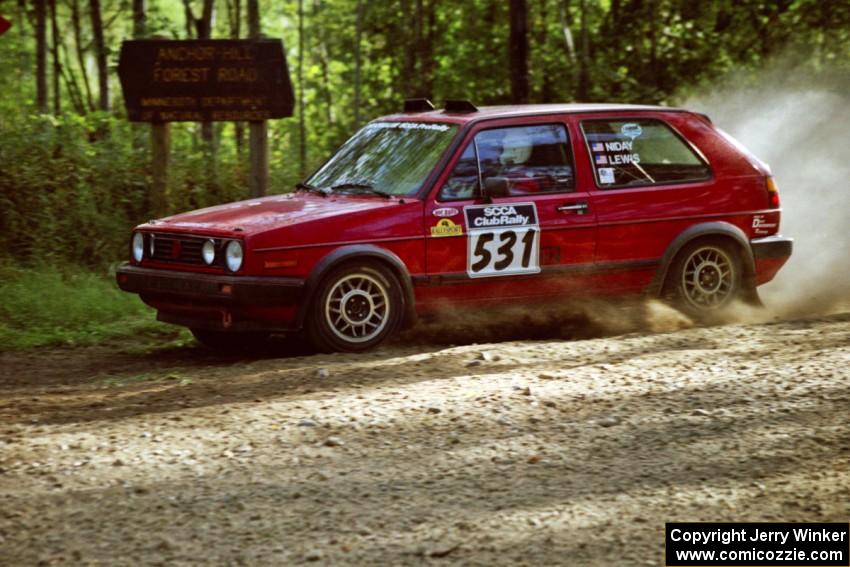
(205, 80)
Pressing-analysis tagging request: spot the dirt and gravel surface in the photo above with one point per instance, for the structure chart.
(524, 452)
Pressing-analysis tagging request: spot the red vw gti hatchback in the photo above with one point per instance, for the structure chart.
(472, 207)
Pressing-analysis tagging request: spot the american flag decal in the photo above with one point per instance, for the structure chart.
(598, 147)
(601, 160)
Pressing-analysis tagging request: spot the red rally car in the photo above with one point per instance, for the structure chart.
(469, 206)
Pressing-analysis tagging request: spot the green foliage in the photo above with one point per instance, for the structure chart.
(73, 185)
(50, 305)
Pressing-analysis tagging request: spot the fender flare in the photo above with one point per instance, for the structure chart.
(701, 230)
(358, 251)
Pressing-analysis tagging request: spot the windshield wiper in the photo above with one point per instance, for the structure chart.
(361, 185)
(311, 189)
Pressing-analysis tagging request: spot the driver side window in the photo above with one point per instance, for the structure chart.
(463, 182)
(531, 159)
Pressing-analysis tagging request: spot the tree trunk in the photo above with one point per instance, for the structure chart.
(139, 19)
(259, 178)
(234, 13)
(71, 84)
(23, 54)
(418, 25)
(408, 68)
(583, 87)
(190, 19)
(205, 24)
(81, 57)
(324, 65)
(302, 129)
(519, 51)
(160, 157)
(547, 89)
(139, 32)
(41, 56)
(568, 34)
(253, 19)
(358, 35)
(57, 66)
(654, 70)
(427, 59)
(100, 55)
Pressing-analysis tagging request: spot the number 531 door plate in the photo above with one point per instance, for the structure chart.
(503, 240)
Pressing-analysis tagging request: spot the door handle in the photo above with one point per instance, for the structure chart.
(580, 208)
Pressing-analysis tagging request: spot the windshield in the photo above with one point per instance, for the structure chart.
(389, 157)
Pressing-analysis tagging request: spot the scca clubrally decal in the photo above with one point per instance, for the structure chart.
(503, 240)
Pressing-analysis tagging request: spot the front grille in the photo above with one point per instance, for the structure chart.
(177, 249)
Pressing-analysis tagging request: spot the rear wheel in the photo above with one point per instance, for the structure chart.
(356, 307)
(230, 343)
(705, 278)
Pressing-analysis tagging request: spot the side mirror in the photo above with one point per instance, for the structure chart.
(496, 187)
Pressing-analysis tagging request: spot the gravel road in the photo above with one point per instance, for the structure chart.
(525, 452)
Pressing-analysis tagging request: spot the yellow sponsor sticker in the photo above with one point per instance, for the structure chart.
(446, 227)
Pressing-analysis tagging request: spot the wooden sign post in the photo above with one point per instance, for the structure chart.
(206, 81)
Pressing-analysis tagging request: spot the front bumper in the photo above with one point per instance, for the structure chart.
(216, 301)
(236, 290)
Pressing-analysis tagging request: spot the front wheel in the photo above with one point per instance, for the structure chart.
(705, 278)
(356, 307)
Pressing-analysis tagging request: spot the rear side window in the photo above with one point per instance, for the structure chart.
(532, 159)
(636, 152)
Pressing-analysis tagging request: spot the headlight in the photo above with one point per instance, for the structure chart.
(138, 247)
(208, 252)
(151, 245)
(233, 255)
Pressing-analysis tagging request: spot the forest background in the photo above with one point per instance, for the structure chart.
(75, 176)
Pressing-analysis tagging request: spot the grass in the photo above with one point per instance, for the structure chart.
(68, 306)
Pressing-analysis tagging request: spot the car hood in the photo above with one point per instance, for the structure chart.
(257, 215)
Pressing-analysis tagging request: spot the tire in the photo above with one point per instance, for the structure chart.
(356, 307)
(705, 278)
(231, 343)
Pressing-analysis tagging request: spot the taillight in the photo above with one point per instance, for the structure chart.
(772, 193)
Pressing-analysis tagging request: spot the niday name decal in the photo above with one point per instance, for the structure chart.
(446, 227)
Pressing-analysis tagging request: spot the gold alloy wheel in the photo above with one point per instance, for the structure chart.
(708, 278)
(357, 308)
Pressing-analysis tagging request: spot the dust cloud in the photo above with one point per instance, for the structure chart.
(801, 128)
(798, 126)
(567, 320)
